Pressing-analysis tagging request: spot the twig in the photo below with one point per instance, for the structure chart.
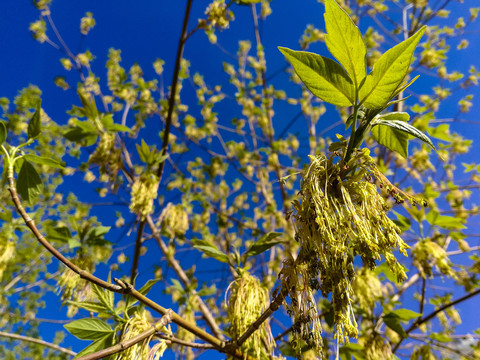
(184, 279)
(173, 87)
(121, 346)
(37, 341)
(172, 339)
(136, 254)
(434, 313)
(274, 305)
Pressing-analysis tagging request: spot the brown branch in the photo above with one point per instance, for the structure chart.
(33, 228)
(184, 279)
(434, 313)
(37, 341)
(123, 345)
(173, 87)
(274, 305)
(172, 339)
(122, 288)
(136, 254)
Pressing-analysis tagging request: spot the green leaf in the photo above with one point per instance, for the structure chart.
(345, 42)
(402, 222)
(388, 72)
(29, 184)
(210, 250)
(393, 322)
(263, 244)
(404, 314)
(89, 106)
(43, 160)
(391, 138)
(104, 296)
(3, 132)
(89, 329)
(35, 124)
(325, 78)
(440, 337)
(148, 285)
(385, 269)
(90, 306)
(406, 128)
(97, 345)
(444, 221)
(396, 115)
(108, 123)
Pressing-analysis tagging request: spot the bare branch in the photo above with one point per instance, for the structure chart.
(37, 341)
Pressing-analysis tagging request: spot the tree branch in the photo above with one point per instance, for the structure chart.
(173, 87)
(136, 254)
(434, 313)
(37, 341)
(121, 346)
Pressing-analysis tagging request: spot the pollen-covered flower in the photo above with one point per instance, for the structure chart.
(246, 301)
(340, 216)
(107, 156)
(144, 191)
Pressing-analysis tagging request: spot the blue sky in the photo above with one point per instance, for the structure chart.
(149, 30)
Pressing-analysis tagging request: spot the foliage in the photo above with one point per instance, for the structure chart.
(350, 237)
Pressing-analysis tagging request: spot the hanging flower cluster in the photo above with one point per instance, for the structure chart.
(340, 216)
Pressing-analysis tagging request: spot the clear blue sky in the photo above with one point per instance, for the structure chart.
(149, 30)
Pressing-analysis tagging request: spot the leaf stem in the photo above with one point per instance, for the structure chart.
(351, 141)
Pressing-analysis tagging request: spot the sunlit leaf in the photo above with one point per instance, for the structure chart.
(405, 128)
(89, 329)
(97, 345)
(325, 78)
(345, 42)
(210, 250)
(43, 160)
(393, 139)
(404, 314)
(90, 306)
(388, 73)
(263, 244)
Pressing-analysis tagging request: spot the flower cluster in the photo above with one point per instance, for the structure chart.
(340, 216)
(144, 191)
(247, 300)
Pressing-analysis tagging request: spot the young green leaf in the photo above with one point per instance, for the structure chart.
(404, 314)
(104, 296)
(444, 221)
(89, 106)
(3, 132)
(325, 78)
(90, 306)
(406, 128)
(29, 184)
(396, 115)
(35, 124)
(148, 285)
(89, 329)
(97, 345)
(391, 138)
(210, 250)
(388, 73)
(393, 322)
(43, 160)
(345, 42)
(263, 244)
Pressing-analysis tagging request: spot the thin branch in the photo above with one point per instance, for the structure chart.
(173, 87)
(123, 345)
(37, 341)
(434, 313)
(184, 279)
(136, 254)
(274, 305)
(172, 339)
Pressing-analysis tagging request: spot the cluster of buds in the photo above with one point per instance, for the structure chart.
(340, 216)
